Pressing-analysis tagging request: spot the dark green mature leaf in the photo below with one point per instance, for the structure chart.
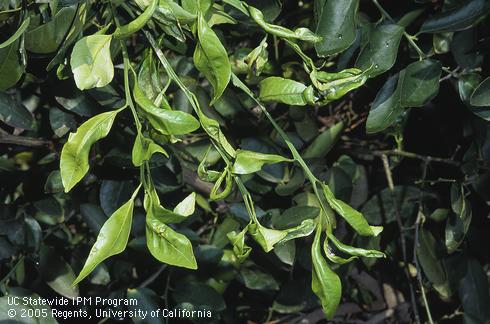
(167, 245)
(336, 25)
(294, 216)
(458, 222)
(286, 252)
(480, 99)
(207, 298)
(381, 208)
(294, 296)
(290, 92)
(386, 106)
(74, 155)
(61, 122)
(72, 35)
(14, 113)
(463, 16)
(11, 69)
(379, 54)
(113, 194)
(258, 280)
(57, 273)
(112, 239)
(94, 216)
(48, 37)
(211, 59)
(20, 309)
(420, 83)
(17, 33)
(325, 283)
(91, 62)
(467, 85)
(473, 293)
(148, 301)
(431, 263)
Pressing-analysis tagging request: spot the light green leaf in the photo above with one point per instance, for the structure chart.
(138, 23)
(355, 251)
(187, 206)
(266, 237)
(379, 54)
(336, 24)
(301, 33)
(168, 246)
(240, 249)
(183, 210)
(144, 148)
(325, 283)
(330, 254)
(257, 58)
(250, 162)
(168, 122)
(91, 62)
(74, 155)
(211, 59)
(352, 216)
(290, 92)
(112, 239)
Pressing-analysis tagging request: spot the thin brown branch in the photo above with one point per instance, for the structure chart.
(411, 155)
(6, 138)
(418, 223)
(403, 243)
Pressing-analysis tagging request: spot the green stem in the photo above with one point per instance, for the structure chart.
(409, 37)
(190, 96)
(296, 155)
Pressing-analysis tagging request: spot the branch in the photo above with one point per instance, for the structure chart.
(6, 138)
(411, 155)
(153, 277)
(391, 186)
(418, 221)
